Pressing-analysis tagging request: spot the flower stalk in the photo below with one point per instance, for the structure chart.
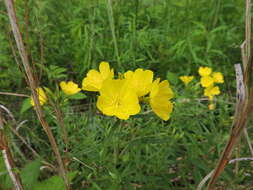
(32, 84)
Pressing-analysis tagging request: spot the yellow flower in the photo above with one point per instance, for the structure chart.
(211, 106)
(42, 97)
(160, 95)
(116, 99)
(94, 79)
(69, 88)
(206, 81)
(186, 79)
(211, 91)
(140, 81)
(218, 77)
(205, 71)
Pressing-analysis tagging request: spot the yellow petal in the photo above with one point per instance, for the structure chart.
(140, 81)
(41, 95)
(159, 99)
(116, 99)
(93, 81)
(211, 91)
(215, 90)
(161, 107)
(105, 104)
(154, 88)
(205, 71)
(186, 79)
(211, 106)
(206, 81)
(130, 103)
(69, 88)
(165, 90)
(128, 74)
(218, 77)
(105, 71)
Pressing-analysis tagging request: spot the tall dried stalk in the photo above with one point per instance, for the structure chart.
(8, 159)
(244, 99)
(14, 129)
(32, 84)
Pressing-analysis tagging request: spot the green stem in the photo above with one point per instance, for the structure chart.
(116, 143)
(112, 27)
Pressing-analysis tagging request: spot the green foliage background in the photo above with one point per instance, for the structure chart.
(66, 38)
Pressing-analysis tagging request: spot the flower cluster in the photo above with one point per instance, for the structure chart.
(121, 97)
(208, 81)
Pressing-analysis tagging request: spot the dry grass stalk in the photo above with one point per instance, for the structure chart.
(13, 94)
(8, 160)
(244, 100)
(248, 141)
(14, 129)
(202, 183)
(243, 111)
(32, 84)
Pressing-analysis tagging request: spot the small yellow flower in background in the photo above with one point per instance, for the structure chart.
(211, 106)
(206, 81)
(116, 99)
(205, 71)
(160, 95)
(69, 88)
(211, 91)
(94, 79)
(42, 97)
(140, 81)
(186, 79)
(218, 77)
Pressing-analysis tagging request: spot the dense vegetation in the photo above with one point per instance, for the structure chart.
(170, 37)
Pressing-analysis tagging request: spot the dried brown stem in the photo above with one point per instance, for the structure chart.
(202, 183)
(60, 120)
(248, 141)
(15, 131)
(8, 160)
(244, 99)
(242, 113)
(14, 94)
(31, 82)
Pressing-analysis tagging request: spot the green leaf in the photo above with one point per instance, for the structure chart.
(4, 177)
(54, 182)
(42, 67)
(77, 96)
(30, 174)
(172, 77)
(181, 3)
(26, 105)
(113, 175)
